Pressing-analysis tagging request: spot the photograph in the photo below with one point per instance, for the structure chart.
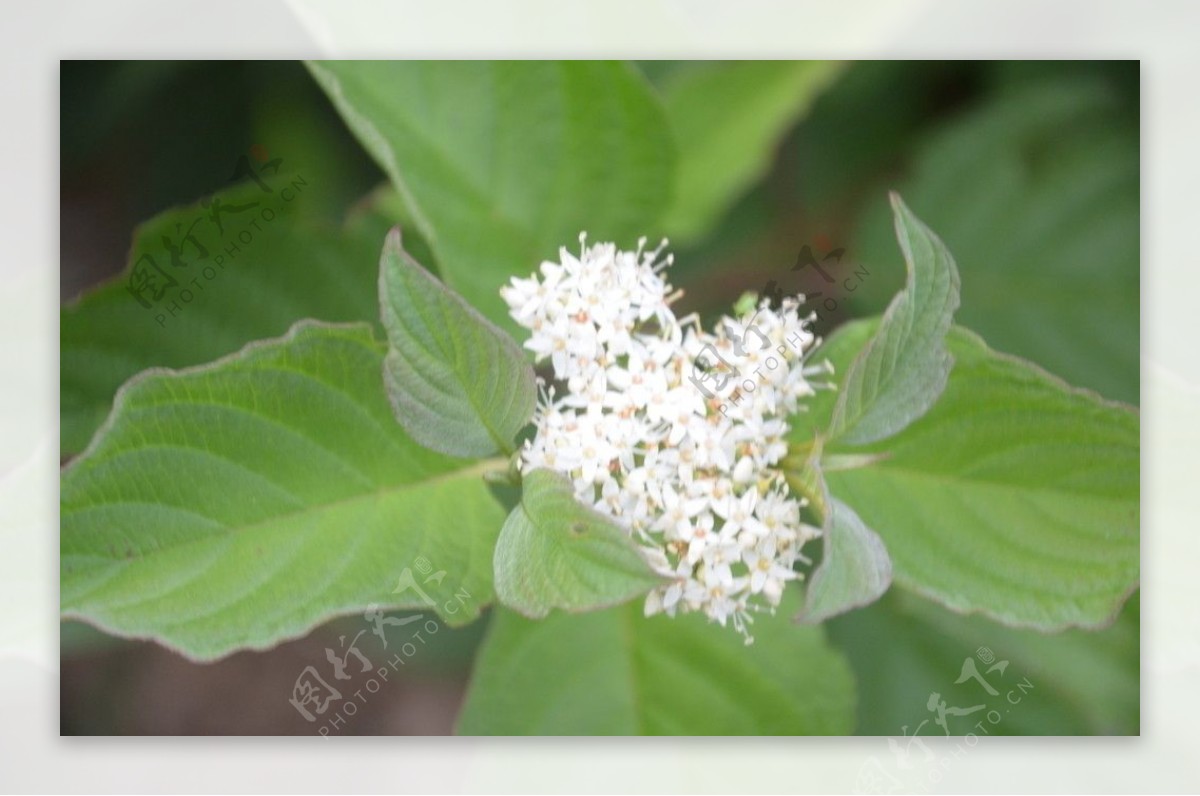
(585, 398)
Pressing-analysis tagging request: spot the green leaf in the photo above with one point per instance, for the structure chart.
(839, 349)
(554, 552)
(241, 503)
(457, 383)
(728, 117)
(248, 287)
(855, 569)
(1084, 682)
(616, 672)
(1037, 193)
(1016, 496)
(501, 163)
(903, 370)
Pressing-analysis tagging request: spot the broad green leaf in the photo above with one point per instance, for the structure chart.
(616, 672)
(1016, 496)
(554, 552)
(248, 287)
(728, 117)
(501, 163)
(240, 503)
(1036, 191)
(904, 648)
(903, 369)
(458, 384)
(855, 569)
(839, 350)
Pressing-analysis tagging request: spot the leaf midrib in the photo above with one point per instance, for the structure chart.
(950, 480)
(313, 509)
(460, 368)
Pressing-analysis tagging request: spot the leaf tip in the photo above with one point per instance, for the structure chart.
(394, 240)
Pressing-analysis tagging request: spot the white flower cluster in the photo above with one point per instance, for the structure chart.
(673, 432)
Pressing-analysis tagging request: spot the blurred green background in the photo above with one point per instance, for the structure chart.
(1029, 171)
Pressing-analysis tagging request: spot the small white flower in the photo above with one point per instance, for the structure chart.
(670, 430)
(698, 536)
